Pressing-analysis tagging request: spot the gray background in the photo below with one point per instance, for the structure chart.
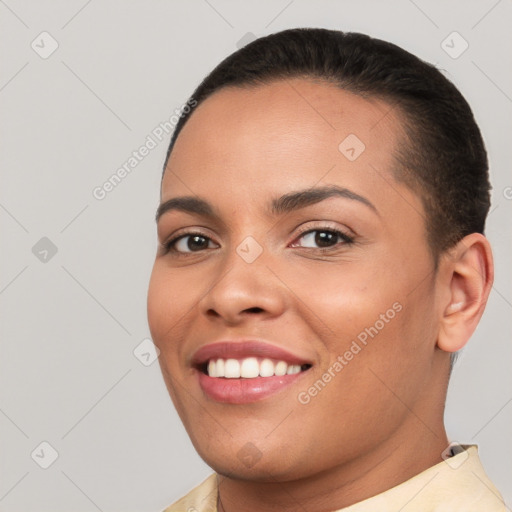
(70, 324)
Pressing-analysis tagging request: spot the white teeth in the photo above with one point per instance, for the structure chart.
(231, 369)
(294, 368)
(220, 369)
(281, 368)
(266, 368)
(250, 368)
(212, 368)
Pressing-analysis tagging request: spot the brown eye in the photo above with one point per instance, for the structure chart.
(190, 243)
(326, 238)
(322, 238)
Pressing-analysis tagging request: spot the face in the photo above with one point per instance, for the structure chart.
(293, 295)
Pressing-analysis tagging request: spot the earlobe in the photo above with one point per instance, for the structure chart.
(468, 277)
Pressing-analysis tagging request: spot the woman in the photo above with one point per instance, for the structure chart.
(321, 261)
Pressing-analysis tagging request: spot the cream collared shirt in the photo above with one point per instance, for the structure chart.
(458, 484)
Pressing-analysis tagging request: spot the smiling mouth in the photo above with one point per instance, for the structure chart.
(250, 368)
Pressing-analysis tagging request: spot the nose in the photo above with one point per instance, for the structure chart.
(243, 290)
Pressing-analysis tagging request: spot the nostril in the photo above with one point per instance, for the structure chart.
(253, 310)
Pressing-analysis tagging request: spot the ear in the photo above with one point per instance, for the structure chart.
(466, 279)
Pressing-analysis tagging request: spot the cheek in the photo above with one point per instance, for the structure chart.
(370, 329)
(352, 398)
(169, 301)
(344, 297)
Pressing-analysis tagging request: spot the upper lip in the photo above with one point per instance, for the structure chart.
(239, 349)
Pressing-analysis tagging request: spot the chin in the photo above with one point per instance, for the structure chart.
(257, 463)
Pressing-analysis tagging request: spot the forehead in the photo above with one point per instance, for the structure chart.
(286, 134)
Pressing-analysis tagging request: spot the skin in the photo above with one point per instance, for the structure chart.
(380, 420)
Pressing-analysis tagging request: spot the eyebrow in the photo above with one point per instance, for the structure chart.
(187, 204)
(302, 198)
(284, 204)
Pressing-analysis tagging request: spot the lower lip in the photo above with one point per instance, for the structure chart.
(244, 391)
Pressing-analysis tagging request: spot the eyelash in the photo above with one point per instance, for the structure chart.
(169, 245)
(347, 240)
